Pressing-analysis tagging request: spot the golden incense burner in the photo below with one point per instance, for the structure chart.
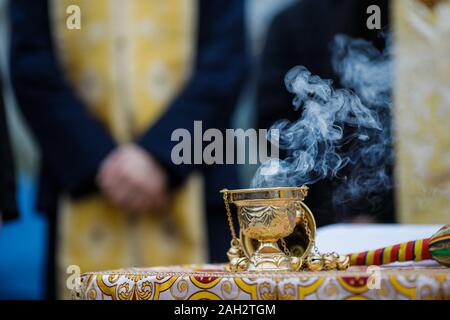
(269, 218)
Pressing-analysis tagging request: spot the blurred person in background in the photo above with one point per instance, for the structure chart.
(259, 14)
(302, 35)
(103, 101)
(8, 204)
(22, 239)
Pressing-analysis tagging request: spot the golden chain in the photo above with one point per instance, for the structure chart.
(302, 215)
(285, 248)
(307, 230)
(230, 218)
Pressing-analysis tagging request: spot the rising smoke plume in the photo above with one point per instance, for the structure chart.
(343, 134)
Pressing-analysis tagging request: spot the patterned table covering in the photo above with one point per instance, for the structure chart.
(212, 282)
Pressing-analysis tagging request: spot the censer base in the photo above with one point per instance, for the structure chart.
(269, 257)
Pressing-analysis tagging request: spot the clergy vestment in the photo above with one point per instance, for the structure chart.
(422, 110)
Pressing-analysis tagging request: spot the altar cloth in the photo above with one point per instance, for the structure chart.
(212, 282)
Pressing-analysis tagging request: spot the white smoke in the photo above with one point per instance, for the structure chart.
(316, 145)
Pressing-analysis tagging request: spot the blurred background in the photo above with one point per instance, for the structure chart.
(239, 66)
(28, 233)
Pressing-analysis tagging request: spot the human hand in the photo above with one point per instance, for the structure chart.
(132, 179)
